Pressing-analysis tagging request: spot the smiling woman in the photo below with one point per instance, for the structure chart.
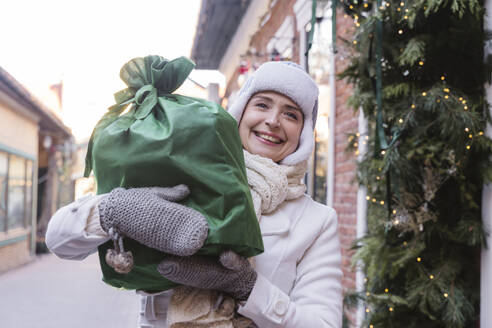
(271, 125)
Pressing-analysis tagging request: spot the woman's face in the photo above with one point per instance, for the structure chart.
(271, 125)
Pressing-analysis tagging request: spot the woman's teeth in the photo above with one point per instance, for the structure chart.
(269, 138)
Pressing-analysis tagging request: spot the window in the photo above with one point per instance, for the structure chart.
(318, 65)
(3, 190)
(16, 191)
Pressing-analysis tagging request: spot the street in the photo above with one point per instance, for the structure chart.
(50, 292)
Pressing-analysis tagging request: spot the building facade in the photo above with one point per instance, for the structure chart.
(35, 150)
(263, 30)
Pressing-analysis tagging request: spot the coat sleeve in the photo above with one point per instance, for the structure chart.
(74, 231)
(316, 297)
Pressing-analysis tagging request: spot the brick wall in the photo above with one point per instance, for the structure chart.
(345, 193)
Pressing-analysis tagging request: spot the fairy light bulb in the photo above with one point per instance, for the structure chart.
(397, 222)
(480, 133)
(419, 259)
(394, 211)
(368, 198)
(400, 32)
(470, 136)
(400, 121)
(374, 200)
(443, 78)
(367, 310)
(465, 108)
(391, 309)
(368, 294)
(354, 42)
(446, 295)
(468, 147)
(424, 94)
(431, 277)
(402, 4)
(446, 97)
(413, 106)
(381, 202)
(421, 63)
(383, 152)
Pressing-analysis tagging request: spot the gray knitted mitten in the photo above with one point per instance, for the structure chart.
(232, 275)
(150, 216)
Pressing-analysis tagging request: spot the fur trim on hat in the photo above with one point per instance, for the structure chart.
(291, 80)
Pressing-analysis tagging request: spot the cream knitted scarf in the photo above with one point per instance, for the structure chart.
(270, 184)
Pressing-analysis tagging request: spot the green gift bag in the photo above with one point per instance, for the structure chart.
(165, 139)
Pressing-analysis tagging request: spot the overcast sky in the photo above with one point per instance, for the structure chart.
(86, 42)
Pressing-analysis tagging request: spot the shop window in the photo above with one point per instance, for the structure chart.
(29, 192)
(3, 190)
(318, 64)
(16, 192)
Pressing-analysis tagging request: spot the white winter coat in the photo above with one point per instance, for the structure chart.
(299, 274)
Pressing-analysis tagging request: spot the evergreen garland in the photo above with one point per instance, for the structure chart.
(421, 254)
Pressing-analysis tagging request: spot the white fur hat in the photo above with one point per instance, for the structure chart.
(291, 80)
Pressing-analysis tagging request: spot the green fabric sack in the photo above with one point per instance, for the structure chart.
(164, 140)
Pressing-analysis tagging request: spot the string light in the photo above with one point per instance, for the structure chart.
(419, 259)
(397, 222)
(413, 106)
(405, 243)
(480, 133)
(387, 4)
(424, 94)
(381, 202)
(394, 211)
(446, 90)
(400, 32)
(391, 309)
(367, 294)
(431, 277)
(367, 310)
(402, 4)
(446, 97)
(467, 129)
(374, 200)
(366, 5)
(400, 121)
(371, 326)
(386, 290)
(383, 152)
(468, 147)
(354, 42)
(421, 63)
(465, 108)
(368, 198)
(470, 136)
(377, 178)
(443, 78)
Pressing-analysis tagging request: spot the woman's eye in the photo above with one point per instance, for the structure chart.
(291, 115)
(261, 105)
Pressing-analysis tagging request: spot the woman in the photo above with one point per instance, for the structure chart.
(296, 282)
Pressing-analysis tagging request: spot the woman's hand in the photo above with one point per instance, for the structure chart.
(151, 217)
(232, 274)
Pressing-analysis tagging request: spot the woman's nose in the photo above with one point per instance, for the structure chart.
(272, 121)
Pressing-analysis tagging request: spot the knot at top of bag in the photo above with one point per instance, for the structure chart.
(150, 77)
(164, 75)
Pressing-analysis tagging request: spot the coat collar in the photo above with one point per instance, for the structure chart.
(279, 221)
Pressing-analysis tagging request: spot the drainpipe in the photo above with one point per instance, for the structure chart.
(486, 261)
